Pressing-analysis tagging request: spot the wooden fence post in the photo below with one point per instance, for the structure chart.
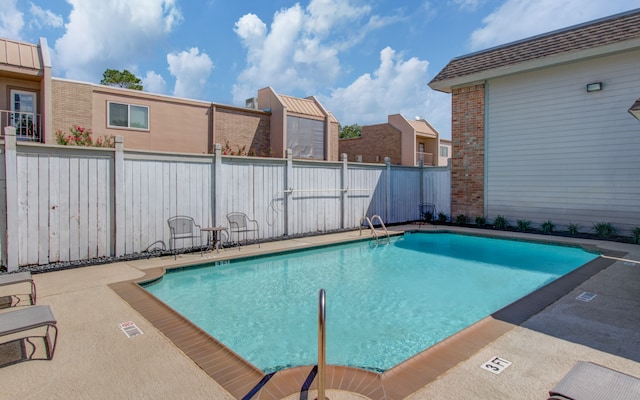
(10, 249)
(387, 200)
(421, 183)
(344, 187)
(119, 197)
(217, 185)
(288, 183)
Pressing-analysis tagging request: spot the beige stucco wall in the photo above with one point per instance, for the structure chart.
(268, 99)
(443, 161)
(174, 124)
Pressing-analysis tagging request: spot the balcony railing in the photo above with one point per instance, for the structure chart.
(427, 158)
(28, 125)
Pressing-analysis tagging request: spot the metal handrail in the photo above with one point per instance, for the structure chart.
(373, 229)
(322, 345)
(386, 232)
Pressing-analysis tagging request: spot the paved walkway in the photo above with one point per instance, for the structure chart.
(94, 359)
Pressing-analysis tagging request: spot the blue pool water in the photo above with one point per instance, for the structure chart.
(384, 304)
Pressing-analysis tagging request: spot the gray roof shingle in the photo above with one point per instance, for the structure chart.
(601, 32)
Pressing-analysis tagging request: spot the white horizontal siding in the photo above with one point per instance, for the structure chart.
(555, 152)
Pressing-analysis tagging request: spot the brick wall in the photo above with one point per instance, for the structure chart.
(334, 153)
(377, 142)
(71, 105)
(248, 129)
(467, 163)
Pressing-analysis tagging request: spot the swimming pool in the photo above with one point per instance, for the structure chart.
(384, 304)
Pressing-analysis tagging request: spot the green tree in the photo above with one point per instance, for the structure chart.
(124, 79)
(349, 131)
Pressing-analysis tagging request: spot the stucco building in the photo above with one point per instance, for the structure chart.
(38, 105)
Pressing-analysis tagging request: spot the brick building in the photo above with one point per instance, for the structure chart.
(39, 105)
(404, 141)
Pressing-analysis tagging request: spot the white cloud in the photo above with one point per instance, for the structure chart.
(518, 19)
(299, 51)
(42, 17)
(154, 83)
(11, 20)
(191, 70)
(397, 86)
(467, 5)
(325, 14)
(102, 35)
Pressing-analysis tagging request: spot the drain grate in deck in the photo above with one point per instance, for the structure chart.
(586, 296)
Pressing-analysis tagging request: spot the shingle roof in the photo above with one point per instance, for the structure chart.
(601, 32)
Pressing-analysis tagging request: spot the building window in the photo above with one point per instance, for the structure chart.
(444, 151)
(305, 137)
(121, 115)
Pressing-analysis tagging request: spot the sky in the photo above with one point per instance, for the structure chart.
(363, 59)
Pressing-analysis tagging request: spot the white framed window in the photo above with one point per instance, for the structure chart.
(444, 151)
(122, 115)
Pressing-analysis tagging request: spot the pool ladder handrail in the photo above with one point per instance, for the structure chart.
(373, 229)
(322, 346)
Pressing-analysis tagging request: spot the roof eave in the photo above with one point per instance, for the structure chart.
(446, 85)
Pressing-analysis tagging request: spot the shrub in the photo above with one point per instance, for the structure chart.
(79, 136)
(462, 219)
(547, 227)
(442, 217)
(228, 151)
(635, 235)
(604, 229)
(573, 228)
(481, 220)
(501, 222)
(523, 225)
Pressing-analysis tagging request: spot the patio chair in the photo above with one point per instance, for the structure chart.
(182, 227)
(240, 224)
(427, 213)
(589, 381)
(25, 320)
(16, 279)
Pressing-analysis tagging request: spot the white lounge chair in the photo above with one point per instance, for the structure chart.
(589, 381)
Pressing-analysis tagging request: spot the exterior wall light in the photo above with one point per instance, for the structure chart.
(635, 109)
(594, 87)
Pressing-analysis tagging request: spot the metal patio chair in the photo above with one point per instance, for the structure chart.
(240, 224)
(182, 227)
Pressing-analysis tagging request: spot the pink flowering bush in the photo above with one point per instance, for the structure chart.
(79, 136)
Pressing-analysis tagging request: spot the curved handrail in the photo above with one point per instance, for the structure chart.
(386, 232)
(373, 230)
(369, 222)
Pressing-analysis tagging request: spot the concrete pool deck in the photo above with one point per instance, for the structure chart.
(95, 359)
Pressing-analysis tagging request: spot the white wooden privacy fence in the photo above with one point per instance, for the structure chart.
(76, 203)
